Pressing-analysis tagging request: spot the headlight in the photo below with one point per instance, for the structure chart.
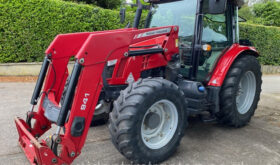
(112, 62)
(110, 68)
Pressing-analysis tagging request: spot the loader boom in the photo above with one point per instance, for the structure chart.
(132, 50)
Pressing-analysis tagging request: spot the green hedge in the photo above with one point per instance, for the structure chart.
(28, 26)
(266, 39)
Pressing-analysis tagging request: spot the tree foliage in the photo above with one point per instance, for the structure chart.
(266, 13)
(247, 13)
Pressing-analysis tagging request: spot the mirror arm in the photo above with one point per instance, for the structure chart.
(148, 19)
(122, 15)
(237, 25)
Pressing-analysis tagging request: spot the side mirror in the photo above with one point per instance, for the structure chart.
(217, 6)
(122, 15)
(240, 19)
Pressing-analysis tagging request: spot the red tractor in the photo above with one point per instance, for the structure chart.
(188, 60)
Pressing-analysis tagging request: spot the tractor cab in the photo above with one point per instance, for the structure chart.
(217, 33)
(206, 29)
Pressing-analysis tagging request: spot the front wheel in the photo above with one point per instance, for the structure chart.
(240, 92)
(148, 120)
(102, 109)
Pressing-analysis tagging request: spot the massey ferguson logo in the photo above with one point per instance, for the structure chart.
(152, 33)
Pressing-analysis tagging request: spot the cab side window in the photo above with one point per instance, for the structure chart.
(217, 32)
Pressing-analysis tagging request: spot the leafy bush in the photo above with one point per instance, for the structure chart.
(28, 26)
(108, 4)
(266, 39)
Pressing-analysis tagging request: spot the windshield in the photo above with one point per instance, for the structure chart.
(215, 32)
(181, 13)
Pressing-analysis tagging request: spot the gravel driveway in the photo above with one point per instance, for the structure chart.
(204, 144)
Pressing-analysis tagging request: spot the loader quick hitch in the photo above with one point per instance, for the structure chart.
(38, 87)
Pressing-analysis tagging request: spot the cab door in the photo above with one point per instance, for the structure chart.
(219, 33)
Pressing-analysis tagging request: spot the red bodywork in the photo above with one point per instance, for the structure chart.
(96, 49)
(225, 62)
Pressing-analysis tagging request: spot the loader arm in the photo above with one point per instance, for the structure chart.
(132, 52)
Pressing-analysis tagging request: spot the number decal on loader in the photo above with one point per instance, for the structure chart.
(85, 100)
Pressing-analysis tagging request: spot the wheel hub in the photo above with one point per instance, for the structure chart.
(159, 124)
(152, 120)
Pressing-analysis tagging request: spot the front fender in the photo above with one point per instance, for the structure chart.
(226, 60)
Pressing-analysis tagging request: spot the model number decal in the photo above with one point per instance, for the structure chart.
(152, 33)
(85, 100)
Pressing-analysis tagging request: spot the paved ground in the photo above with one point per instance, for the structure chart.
(204, 144)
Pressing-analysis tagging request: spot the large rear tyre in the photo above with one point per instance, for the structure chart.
(148, 120)
(240, 92)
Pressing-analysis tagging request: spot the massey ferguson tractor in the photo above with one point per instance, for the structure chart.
(188, 60)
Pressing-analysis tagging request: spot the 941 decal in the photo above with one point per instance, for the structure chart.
(85, 101)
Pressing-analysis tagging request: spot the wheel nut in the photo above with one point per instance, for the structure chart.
(82, 60)
(54, 160)
(126, 54)
(72, 154)
(58, 140)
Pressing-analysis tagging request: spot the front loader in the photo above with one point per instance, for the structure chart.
(188, 60)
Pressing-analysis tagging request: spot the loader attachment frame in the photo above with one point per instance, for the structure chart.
(133, 50)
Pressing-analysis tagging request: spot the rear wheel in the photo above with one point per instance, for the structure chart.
(148, 120)
(240, 92)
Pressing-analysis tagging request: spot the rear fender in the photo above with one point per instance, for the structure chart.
(226, 60)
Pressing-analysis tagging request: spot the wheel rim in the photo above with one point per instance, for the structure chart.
(246, 92)
(159, 124)
(102, 107)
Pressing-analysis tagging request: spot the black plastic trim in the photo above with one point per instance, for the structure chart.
(78, 126)
(145, 52)
(69, 94)
(40, 81)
